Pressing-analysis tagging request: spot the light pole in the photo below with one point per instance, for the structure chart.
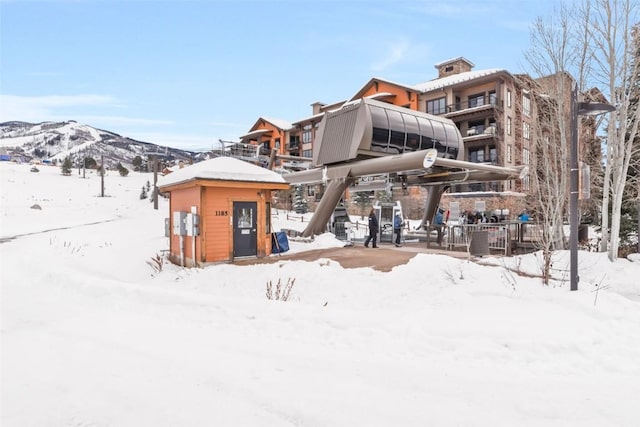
(578, 109)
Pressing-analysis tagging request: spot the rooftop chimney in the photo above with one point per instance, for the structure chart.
(454, 66)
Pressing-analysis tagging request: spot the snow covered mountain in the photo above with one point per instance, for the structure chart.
(56, 140)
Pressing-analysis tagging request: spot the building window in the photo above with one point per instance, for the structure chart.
(476, 100)
(526, 105)
(476, 156)
(475, 127)
(493, 155)
(509, 98)
(509, 158)
(508, 125)
(307, 153)
(526, 184)
(294, 142)
(526, 130)
(436, 106)
(306, 134)
(493, 98)
(525, 156)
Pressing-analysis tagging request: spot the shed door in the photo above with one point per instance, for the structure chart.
(245, 236)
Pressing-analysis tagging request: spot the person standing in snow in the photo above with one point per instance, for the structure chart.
(373, 230)
(397, 228)
(438, 222)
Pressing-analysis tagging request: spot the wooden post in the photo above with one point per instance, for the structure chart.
(155, 181)
(101, 176)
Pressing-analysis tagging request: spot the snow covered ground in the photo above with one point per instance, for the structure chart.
(92, 335)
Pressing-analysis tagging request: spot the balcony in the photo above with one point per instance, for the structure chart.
(293, 147)
(296, 165)
(476, 107)
(264, 151)
(480, 133)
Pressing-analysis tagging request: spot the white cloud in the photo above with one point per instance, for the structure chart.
(112, 121)
(394, 53)
(400, 52)
(47, 108)
(60, 108)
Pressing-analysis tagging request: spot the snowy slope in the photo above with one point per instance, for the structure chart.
(57, 140)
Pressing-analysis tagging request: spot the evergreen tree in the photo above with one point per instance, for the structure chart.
(66, 166)
(122, 170)
(300, 201)
(137, 162)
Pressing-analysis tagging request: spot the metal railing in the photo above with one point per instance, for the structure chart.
(502, 237)
(499, 236)
(479, 102)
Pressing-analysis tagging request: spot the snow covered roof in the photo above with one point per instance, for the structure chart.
(315, 116)
(255, 133)
(379, 95)
(455, 79)
(281, 124)
(221, 169)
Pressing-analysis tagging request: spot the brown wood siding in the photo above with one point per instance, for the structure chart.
(402, 98)
(217, 216)
(214, 203)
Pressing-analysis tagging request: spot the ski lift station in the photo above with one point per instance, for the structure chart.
(368, 137)
(220, 208)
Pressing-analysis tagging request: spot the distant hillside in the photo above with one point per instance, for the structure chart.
(56, 140)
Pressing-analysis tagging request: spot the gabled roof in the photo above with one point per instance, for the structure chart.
(280, 124)
(364, 88)
(256, 132)
(277, 123)
(221, 169)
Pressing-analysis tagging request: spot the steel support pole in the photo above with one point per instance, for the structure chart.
(573, 200)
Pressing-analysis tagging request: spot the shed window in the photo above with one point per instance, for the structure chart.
(267, 209)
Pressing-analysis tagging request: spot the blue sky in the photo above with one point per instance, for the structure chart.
(187, 73)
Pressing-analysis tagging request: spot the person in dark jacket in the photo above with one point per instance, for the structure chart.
(397, 228)
(438, 221)
(373, 230)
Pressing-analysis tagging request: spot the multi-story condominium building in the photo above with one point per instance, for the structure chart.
(494, 110)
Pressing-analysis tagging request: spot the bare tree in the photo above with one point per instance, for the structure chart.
(549, 58)
(612, 50)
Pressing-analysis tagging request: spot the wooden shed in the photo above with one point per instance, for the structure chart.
(220, 210)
